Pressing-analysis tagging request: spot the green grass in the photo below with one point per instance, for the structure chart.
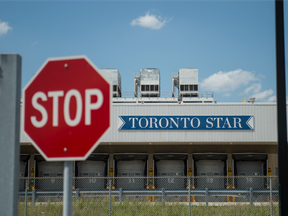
(100, 207)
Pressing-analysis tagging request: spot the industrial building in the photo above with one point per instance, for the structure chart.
(186, 134)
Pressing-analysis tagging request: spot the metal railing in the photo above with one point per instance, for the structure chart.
(173, 190)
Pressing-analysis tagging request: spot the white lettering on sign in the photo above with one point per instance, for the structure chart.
(192, 125)
(133, 121)
(67, 99)
(140, 124)
(55, 95)
(92, 106)
(40, 108)
(160, 122)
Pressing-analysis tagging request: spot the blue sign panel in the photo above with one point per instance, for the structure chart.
(185, 122)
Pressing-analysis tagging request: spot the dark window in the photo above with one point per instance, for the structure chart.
(191, 88)
(182, 87)
(114, 87)
(152, 88)
(195, 87)
(156, 87)
(142, 87)
(147, 88)
(186, 87)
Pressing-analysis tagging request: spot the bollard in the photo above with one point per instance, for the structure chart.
(120, 195)
(233, 198)
(207, 197)
(251, 196)
(153, 197)
(147, 197)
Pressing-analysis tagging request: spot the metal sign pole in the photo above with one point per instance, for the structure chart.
(67, 187)
(10, 92)
(281, 108)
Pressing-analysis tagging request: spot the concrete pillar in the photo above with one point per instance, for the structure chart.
(31, 168)
(189, 165)
(230, 168)
(150, 170)
(111, 170)
(272, 162)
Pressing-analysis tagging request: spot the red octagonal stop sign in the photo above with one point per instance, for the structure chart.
(67, 108)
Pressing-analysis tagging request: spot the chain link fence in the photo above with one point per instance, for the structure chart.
(175, 195)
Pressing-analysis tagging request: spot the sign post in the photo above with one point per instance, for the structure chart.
(10, 93)
(67, 108)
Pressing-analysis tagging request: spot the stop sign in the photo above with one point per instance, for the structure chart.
(67, 107)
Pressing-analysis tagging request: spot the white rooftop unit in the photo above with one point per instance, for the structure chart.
(186, 82)
(149, 82)
(114, 77)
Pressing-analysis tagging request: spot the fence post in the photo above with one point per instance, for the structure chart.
(77, 194)
(189, 194)
(163, 196)
(26, 185)
(33, 196)
(251, 196)
(120, 195)
(206, 196)
(109, 197)
(271, 204)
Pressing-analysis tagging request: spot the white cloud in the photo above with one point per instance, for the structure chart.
(227, 81)
(227, 95)
(4, 28)
(255, 88)
(263, 95)
(150, 21)
(271, 99)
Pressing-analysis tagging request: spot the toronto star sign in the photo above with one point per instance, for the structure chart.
(186, 122)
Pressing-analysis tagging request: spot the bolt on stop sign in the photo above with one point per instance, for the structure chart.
(67, 108)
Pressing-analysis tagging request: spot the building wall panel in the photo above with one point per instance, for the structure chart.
(265, 123)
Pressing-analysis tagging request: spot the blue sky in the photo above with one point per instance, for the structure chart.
(232, 43)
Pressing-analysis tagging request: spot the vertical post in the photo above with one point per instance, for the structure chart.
(207, 197)
(26, 187)
(33, 196)
(10, 93)
(281, 108)
(251, 196)
(67, 187)
(77, 194)
(109, 197)
(189, 194)
(163, 196)
(271, 204)
(120, 195)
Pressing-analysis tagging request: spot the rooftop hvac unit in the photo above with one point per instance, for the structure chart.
(149, 82)
(51, 171)
(114, 77)
(91, 169)
(129, 169)
(173, 173)
(186, 82)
